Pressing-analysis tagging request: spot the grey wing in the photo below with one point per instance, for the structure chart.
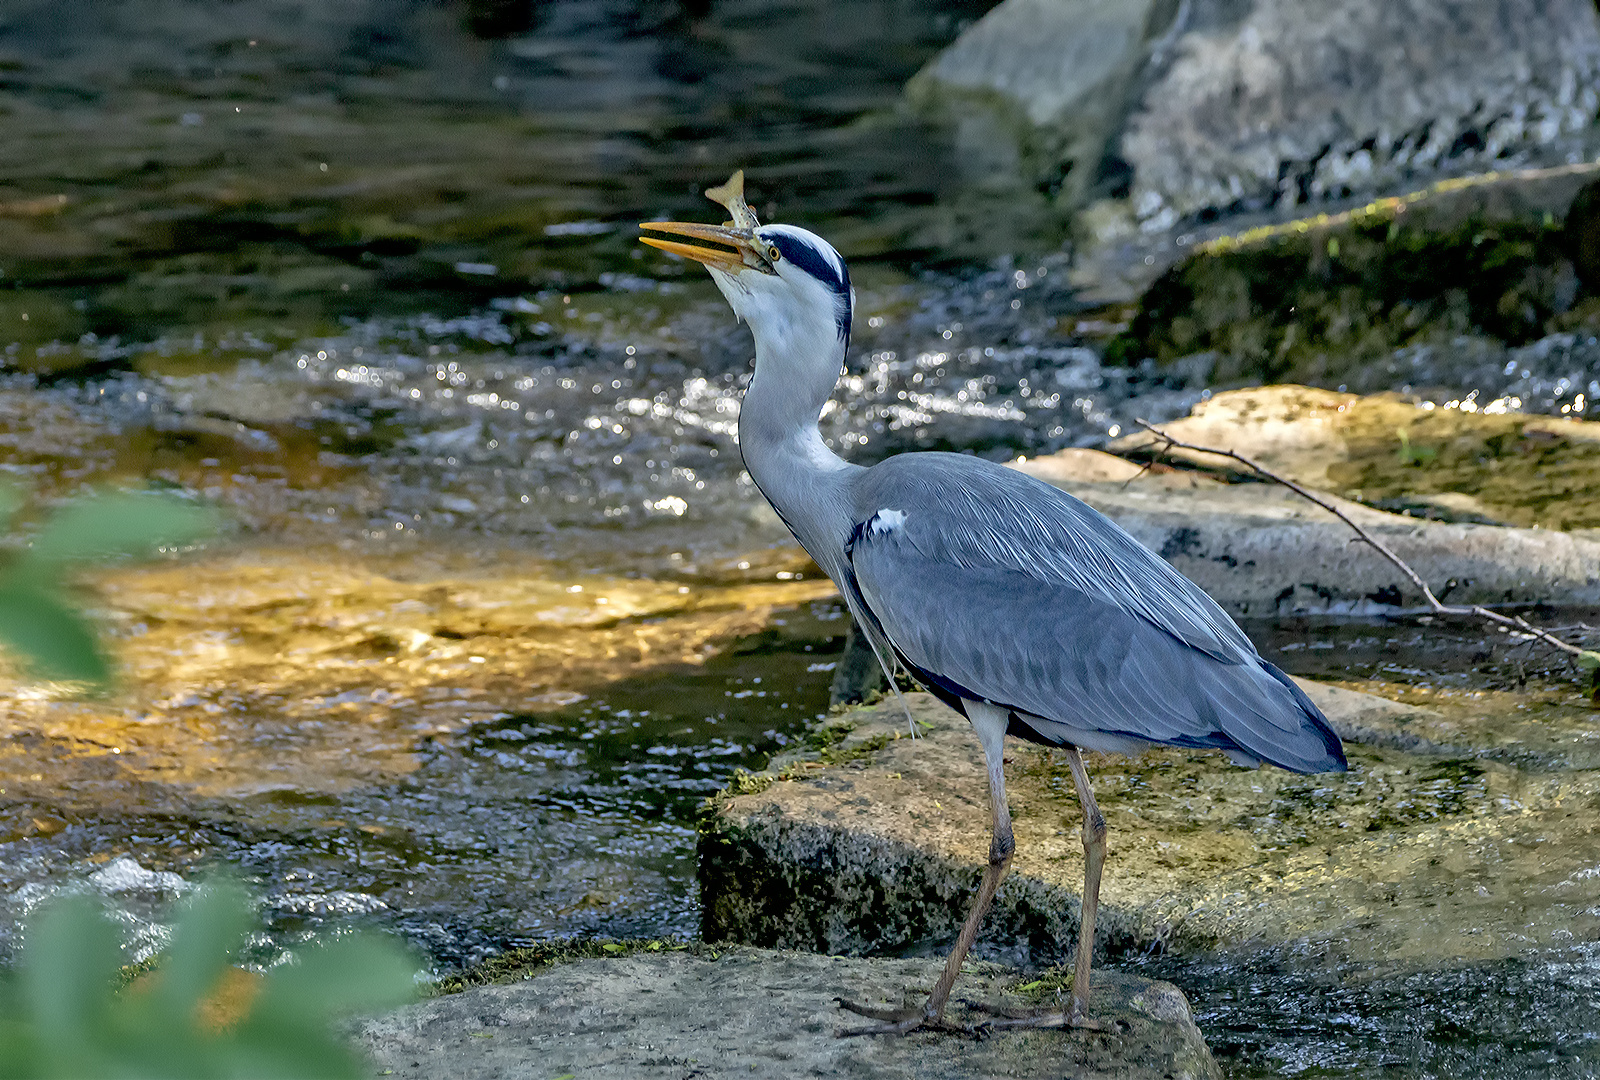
(977, 614)
(970, 512)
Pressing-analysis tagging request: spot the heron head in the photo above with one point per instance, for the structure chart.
(788, 283)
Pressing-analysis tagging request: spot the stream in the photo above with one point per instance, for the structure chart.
(496, 607)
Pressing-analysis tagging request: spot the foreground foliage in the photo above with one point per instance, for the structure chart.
(38, 622)
(70, 1012)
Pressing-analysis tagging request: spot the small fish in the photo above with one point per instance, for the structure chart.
(731, 195)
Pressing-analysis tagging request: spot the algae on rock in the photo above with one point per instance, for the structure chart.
(1448, 460)
(881, 855)
(1329, 302)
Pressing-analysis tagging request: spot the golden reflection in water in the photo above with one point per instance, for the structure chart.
(308, 671)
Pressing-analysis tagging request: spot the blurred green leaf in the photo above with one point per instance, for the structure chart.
(69, 975)
(120, 524)
(352, 974)
(209, 932)
(64, 1017)
(11, 499)
(1589, 660)
(54, 640)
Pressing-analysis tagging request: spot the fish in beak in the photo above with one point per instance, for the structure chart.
(743, 251)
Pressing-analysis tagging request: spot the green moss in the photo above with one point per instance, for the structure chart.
(1313, 305)
(1521, 471)
(1048, 985)
(515, 965)
(826, 745)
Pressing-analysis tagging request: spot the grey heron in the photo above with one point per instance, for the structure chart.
(1014, 602)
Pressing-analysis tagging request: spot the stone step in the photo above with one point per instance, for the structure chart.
(758, 1014)
(1437, 846)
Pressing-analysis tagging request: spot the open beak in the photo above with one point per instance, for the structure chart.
(744, 252)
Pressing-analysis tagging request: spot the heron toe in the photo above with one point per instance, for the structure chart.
(1007, 1019)
(897, 1021)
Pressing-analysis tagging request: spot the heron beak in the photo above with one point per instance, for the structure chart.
(745, 253)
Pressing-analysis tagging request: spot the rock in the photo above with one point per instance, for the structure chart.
(1077, 465)
(1301, 100)
(1261, 550)
(1409, 860)
(1463, 266)
(1457, 462)
(763, 1014)
(1148, 115)
(858, 674)
(1039, 88)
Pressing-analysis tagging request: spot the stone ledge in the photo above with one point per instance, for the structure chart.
(1262, 551)
(1411, 857)
(761, 1015)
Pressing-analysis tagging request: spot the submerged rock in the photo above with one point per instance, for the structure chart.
(762, 1014)
(1413, 859)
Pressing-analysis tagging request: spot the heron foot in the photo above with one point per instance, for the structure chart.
(1006, 1019)
(897, 1021)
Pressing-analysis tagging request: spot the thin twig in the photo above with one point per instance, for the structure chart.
(1439, 607)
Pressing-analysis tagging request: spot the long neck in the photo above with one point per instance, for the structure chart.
(807, 483)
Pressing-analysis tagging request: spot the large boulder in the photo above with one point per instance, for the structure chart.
(1166, 114)
(876, 844)
(1036, 90)
(1303, 100)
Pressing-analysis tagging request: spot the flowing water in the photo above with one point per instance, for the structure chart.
(496, 606)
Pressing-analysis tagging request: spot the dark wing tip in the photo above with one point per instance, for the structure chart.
(1316, 725)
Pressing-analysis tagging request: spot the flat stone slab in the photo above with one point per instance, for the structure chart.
(765, 1015)
(1260, 550)
(1441, 843)
(1475, 461)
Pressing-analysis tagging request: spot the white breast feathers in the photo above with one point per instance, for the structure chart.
(885, 522)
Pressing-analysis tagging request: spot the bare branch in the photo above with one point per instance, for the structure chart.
(1516, 622)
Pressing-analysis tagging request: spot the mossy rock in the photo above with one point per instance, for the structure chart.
(1379, 865)
(1442, 460)
(1315, 300)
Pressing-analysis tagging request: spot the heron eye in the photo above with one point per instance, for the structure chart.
(773, 254)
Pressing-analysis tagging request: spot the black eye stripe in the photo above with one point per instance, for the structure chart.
(824, 265)
(812, 261)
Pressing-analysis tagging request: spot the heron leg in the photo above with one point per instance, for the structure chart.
(1094, 861)
(1076, 1014)
(990, 723)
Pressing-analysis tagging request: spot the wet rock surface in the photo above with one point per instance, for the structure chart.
(760, 1013)
(1453, 858)
(1261, 550)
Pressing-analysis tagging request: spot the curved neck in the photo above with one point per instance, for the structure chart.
(786, 457)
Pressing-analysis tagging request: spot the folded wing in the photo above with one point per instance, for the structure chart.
(1003, 589)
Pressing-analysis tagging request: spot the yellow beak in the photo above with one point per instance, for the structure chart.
(745, 253)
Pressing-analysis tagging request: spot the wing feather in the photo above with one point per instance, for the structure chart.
(970, 512)
(1012, 592)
